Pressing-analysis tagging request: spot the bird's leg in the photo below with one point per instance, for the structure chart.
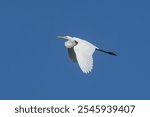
(111, 53)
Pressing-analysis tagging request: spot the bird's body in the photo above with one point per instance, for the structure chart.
(81, 51)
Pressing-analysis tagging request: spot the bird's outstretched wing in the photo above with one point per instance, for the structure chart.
(84, 52)
(72, 55)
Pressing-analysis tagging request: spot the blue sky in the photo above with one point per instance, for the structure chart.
(34, 64)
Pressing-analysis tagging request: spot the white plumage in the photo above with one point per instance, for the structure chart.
(84, 53)
(81, 51)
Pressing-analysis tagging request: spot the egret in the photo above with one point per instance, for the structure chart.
(81, 52)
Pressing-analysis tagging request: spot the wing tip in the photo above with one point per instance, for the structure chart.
(87, 71)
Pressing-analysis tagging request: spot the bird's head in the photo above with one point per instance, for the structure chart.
(65, 37)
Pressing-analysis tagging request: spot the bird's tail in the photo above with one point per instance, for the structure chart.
(111, 53)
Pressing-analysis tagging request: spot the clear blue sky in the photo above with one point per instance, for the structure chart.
(34, 64)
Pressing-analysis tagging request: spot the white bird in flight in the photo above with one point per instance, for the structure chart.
(81, 52)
